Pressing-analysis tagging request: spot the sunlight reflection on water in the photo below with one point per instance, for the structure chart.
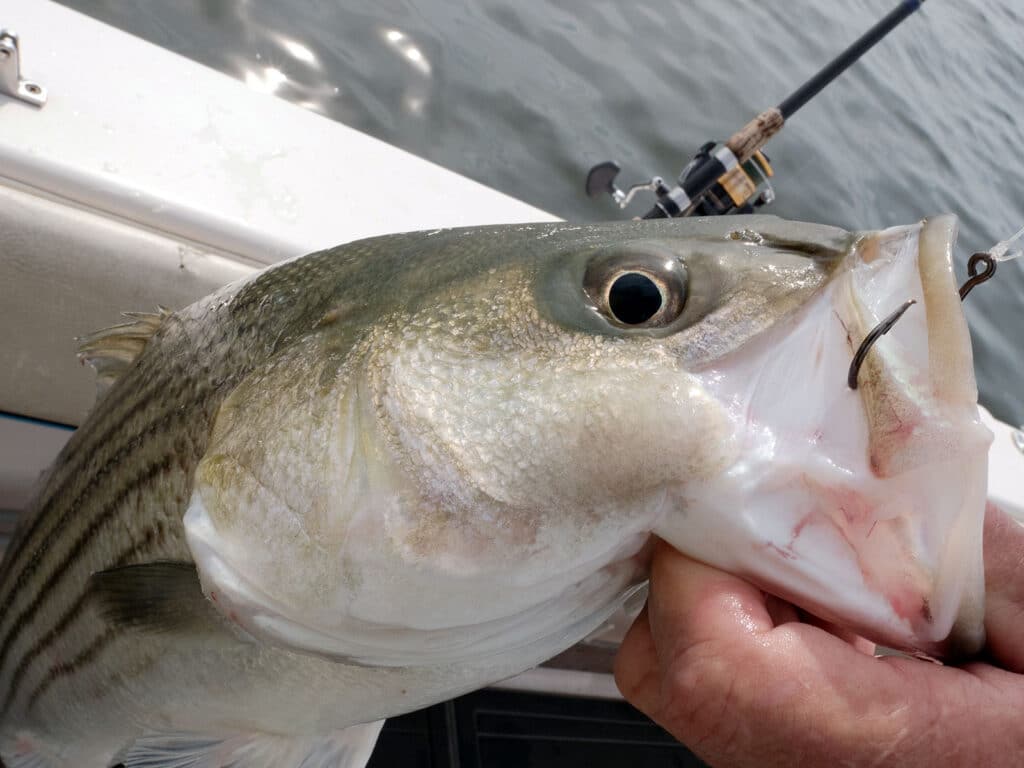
(526, 97)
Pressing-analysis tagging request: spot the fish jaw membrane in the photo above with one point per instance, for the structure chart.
(864, 507)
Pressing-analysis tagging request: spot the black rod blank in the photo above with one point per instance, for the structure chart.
(842, 62)
(755, 134)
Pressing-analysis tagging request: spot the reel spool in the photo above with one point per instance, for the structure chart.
(741, 189)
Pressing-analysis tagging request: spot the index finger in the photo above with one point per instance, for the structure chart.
(706, 662)
(1004, 588)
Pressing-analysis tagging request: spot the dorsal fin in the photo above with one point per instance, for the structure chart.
(111, 350)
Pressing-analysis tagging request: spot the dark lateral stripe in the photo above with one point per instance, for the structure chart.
(72, 469)
(58, 671)
(154, 534)
(107, 513)
(159, 424)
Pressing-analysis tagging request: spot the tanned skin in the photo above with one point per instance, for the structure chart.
(744, 679)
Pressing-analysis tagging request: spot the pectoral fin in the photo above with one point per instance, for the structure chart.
(348, 748)
(160, 597)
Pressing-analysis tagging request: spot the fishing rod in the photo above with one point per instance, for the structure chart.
(734, 177)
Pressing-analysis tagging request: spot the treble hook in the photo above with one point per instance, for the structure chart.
(972, 270)
(876, 333)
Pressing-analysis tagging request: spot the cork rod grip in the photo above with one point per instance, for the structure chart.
(755, 134)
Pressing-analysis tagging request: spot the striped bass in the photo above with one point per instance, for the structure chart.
(378, 476)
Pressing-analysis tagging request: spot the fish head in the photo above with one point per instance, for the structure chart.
(863, 506)
(470, 448)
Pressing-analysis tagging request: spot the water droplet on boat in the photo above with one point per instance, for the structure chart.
(1018, 438)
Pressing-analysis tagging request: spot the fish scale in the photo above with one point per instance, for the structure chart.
(151, 430)
(75, 492)
(381, 475)
(154, 493)
(93, 497)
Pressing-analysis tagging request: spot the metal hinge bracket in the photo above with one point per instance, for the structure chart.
(11, 81)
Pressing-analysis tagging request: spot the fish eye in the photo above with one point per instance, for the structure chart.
(642, 288)
(634, 298)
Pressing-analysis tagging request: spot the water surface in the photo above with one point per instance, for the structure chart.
(526, 96)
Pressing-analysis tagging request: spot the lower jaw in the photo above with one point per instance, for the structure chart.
(926, 440)
(863, 507)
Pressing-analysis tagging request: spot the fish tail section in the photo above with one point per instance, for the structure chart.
(347, 748)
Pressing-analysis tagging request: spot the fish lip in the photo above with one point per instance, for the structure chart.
(949, 365)
(953, 383)
(922, 371)
(922, 409)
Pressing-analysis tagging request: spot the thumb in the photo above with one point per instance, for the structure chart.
(693, 606)
(680, 657)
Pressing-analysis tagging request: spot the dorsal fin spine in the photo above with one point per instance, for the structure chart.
(111, 351)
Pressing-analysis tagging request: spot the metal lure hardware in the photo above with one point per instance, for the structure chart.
(876, 333)
(976, 278)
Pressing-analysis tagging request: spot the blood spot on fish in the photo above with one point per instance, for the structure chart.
(846, 328)
(213, 596)
(785, 553)
(799, 528)
(855, 508)
(902, 430)
(908, 604)
(888, 445)
(926, 610)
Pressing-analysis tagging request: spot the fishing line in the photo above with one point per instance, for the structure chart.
(1006, 250)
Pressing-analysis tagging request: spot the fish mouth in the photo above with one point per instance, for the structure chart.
(926, 369)
(925, 437)
(864, 507)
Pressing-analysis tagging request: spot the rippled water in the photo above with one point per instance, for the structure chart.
(525, 96)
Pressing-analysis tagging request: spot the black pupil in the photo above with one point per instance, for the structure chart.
(634, 298)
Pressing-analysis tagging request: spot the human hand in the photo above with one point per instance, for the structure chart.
(739, 679)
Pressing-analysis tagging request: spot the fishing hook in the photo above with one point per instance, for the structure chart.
(975, 277)
(876, 333)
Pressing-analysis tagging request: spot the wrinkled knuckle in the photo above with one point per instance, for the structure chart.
(698, 696)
